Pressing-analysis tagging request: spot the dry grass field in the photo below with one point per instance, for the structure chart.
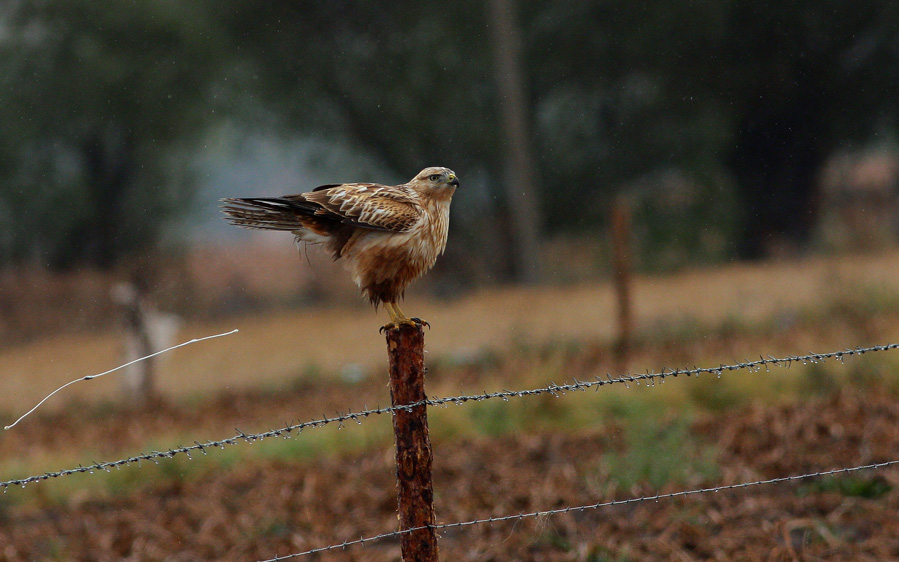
(276, 347)
(255, 501)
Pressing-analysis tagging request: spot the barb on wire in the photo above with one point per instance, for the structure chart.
(650, 378)
(548, 512)
(154, 456)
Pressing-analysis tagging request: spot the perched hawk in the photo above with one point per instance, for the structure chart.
(387, 236)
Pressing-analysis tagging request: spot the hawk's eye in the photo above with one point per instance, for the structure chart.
(434, 177)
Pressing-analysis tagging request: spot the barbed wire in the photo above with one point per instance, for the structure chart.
(649, 378)
(549, 512)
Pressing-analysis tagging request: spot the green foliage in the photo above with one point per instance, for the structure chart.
(180, 469)
(497, 417)
(555, 540)
(717, 396)
(849, 486)
(660, 452)
(494, 419)
(272, 527)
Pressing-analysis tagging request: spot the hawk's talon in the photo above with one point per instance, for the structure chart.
(399, 322)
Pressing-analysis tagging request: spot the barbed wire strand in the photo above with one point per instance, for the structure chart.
(549, 512)
(649, 378)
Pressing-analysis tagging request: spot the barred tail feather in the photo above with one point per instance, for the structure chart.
(266, 213)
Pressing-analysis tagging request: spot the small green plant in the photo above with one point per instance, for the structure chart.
(271, 527)
(555, 540)
(716, 396)
(498, 418)
(657, 453)
(850, 486)
(600, 554)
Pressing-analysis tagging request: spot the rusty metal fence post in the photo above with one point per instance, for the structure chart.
(621, 268)
(415, 490)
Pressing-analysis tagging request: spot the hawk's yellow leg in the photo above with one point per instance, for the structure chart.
(396, 315)
(398, 318)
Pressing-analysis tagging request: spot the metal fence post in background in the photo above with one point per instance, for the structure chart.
(415, 490)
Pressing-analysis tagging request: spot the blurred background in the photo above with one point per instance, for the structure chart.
(733, 130)
(643, 185)
(721, 133)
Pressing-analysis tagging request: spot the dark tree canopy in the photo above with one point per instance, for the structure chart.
(744, 99)
(758, 92)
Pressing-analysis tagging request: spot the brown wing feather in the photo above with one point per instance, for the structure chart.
(368, 205)
(362, 205)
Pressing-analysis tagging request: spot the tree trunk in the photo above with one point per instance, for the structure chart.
(519, 172)
(777, 161)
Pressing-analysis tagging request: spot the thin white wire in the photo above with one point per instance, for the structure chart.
(91, 377)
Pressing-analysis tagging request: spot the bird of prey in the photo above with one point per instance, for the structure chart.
(387, 236)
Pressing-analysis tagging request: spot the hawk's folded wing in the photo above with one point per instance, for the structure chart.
(366, 205)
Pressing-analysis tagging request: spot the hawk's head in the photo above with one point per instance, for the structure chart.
(436, 178)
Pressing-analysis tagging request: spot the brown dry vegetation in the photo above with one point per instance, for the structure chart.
(324, 486)
(260, 509)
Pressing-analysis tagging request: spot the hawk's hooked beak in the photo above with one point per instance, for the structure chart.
(453, 180)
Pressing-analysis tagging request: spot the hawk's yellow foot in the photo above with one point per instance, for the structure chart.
(398, 318)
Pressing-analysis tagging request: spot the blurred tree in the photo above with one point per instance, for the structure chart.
(619, 92)
(803, 78)
(762, 92)
(97, 98)
(404, 81)
(520, 165)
